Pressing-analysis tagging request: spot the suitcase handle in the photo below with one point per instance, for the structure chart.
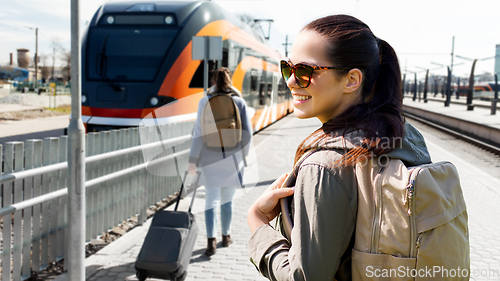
(198, 173)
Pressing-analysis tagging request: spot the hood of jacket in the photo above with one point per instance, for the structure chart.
(412, 150)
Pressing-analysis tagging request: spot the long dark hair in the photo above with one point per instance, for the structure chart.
(353, 45)
(222, 79)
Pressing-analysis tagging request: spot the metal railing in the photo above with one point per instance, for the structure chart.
(127, 171)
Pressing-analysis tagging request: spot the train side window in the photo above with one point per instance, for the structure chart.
(225, 57)
(253, 80)
(261, 94)
(197, 80)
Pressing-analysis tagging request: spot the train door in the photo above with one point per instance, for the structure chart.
(254, 79)
(225, 56)
(274, 96)
(263, 88)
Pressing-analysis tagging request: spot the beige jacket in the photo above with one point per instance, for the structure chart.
(325, 203)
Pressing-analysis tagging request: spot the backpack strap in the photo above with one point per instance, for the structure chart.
(285, 203)
(292, 177)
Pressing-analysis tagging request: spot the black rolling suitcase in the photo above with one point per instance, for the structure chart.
(168, 246)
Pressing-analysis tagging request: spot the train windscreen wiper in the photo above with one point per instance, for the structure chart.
(102, 66)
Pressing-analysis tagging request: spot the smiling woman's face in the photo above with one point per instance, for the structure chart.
(326, 96)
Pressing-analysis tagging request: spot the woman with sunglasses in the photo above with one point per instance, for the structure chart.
(340, 73)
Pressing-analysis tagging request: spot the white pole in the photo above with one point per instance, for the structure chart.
(36, 60)
(76, 160)
(205, 66)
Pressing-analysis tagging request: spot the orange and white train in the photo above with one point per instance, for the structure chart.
(137, 60)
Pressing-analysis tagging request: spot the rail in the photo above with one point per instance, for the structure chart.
(472, 140)
(127, 171)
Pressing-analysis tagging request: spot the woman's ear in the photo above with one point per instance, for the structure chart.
(354, 79)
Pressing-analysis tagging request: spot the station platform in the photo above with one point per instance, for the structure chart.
(274, 149)
(478, 123)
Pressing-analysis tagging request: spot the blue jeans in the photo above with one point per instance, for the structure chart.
(214, 197)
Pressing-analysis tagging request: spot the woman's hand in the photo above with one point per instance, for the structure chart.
(192, 169)
(266, 207)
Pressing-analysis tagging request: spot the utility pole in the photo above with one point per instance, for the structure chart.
(448, 88)
(286, 46)
(452, 53)
(36, 59)
(53, 62)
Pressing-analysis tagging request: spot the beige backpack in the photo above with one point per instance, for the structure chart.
(411, 224)
(221, 122)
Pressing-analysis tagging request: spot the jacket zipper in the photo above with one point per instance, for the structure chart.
(410, 198)
(377, 220)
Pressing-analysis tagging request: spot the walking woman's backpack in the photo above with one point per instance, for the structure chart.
(411, 223)
(221, 122)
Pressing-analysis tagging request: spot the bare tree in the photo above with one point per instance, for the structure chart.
(256, 24)
(248, 19)
(44, 58)
(66, 59)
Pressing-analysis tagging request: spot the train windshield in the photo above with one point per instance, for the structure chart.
(127, 54)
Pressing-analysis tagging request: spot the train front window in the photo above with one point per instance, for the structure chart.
(127, 54)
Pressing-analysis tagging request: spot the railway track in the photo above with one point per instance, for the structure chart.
(474, 141)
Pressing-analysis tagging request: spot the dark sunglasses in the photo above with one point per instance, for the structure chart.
(301, 72)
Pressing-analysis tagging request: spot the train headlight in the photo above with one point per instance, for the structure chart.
(169, 20)
(110, 19)
(84, 98)
(153, 101)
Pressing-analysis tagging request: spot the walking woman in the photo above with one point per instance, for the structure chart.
(221, 169)
(342, 74)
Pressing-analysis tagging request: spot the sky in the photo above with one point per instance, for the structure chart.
(420, 31)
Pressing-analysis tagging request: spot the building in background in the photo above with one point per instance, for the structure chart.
(23, 58)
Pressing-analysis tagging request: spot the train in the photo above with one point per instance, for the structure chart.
(137, 64)
(481, 89)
